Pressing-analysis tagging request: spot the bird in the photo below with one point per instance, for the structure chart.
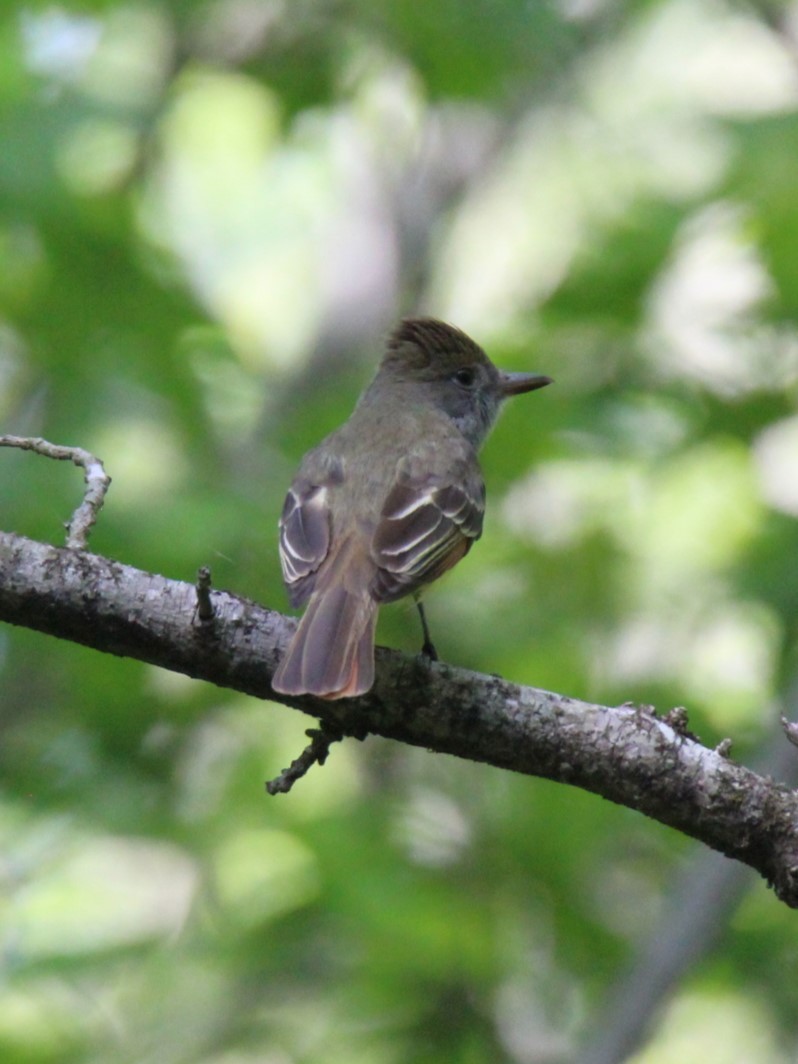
(388, 502)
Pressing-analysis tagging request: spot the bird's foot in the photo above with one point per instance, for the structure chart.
(428, 651)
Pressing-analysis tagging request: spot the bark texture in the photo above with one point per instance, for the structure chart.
(626, 754)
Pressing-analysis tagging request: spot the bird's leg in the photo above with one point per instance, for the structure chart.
(428, 647)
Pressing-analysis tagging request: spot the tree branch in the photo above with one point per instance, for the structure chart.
(702, 899)
(625, 754)
(96, 479)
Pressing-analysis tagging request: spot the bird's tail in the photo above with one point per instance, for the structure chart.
(332, 652)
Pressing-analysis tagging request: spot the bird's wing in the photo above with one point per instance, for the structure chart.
(426, 526)
(304, 537)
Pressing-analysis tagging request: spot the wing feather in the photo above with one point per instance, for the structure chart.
(304, 537)
(425, 528)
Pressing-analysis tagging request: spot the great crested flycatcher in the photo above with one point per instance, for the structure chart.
(388, 502)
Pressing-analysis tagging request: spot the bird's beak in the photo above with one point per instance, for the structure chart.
(518, 383)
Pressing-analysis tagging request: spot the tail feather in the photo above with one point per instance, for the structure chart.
(332, 652)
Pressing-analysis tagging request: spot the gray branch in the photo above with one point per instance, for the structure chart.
(626, 754)
(97, 482)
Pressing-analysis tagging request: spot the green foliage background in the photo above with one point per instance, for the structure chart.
(210, 214)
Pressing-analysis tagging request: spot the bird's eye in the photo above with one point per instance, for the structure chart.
(465, 377)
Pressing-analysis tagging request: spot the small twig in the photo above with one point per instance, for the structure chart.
(203, 588)
(321, 739)
(790, 730)
(677, 719)
(96, 479)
